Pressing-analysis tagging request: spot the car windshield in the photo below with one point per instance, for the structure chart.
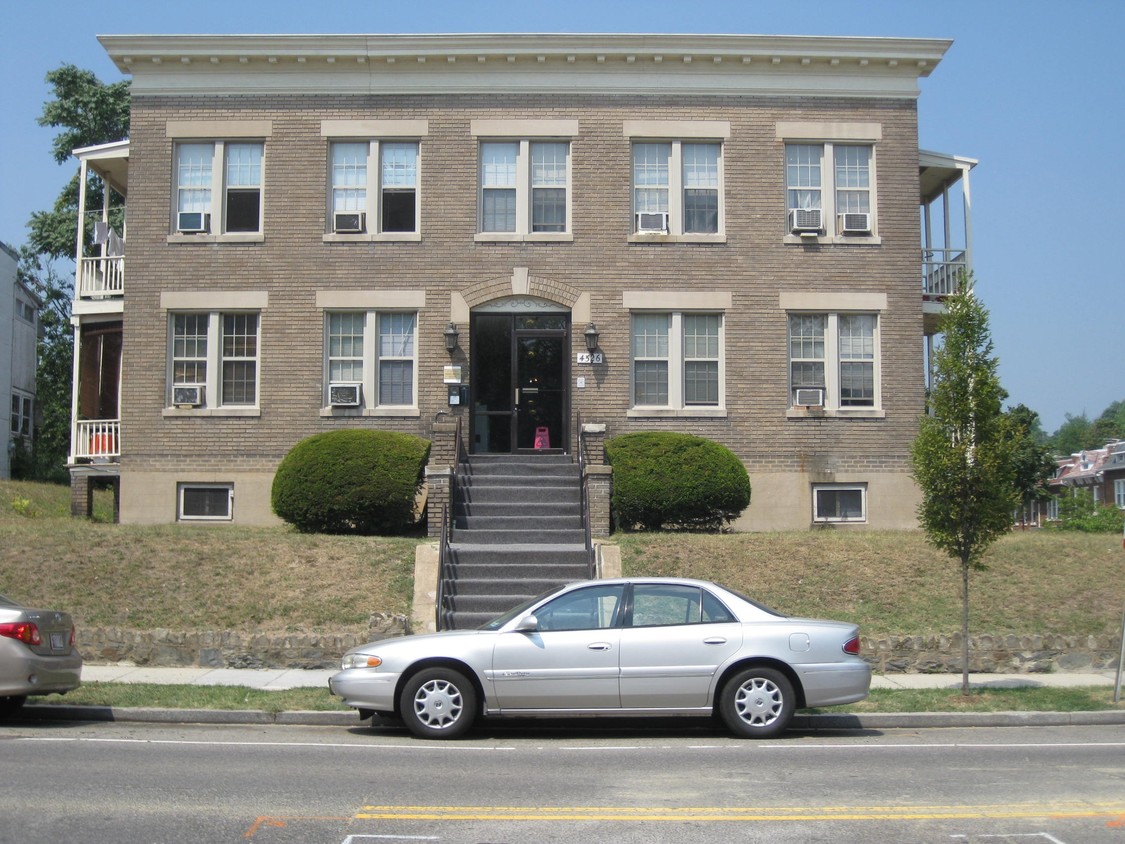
(7, 602)
(501, 620)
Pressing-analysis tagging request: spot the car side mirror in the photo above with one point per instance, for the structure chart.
(527, 624)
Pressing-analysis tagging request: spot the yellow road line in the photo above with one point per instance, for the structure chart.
(1058, 811)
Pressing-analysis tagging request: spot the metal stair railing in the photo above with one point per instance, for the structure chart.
(445, 536)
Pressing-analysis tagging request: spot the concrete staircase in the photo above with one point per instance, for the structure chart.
(517, 532)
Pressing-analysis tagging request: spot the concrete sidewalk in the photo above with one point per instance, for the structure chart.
(276, 679)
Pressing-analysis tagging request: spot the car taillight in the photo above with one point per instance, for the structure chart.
(22, 631)
(852, 646)
(73, 633)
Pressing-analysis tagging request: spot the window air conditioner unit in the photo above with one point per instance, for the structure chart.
(192, 222)
(343, 395)
(187, 395)
(348, 222)
(805, 220)
(810, 398)
(855, 223)
(652, 222)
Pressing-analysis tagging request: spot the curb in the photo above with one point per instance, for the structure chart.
(817, 722)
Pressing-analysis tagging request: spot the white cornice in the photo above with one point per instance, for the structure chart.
(511, 63)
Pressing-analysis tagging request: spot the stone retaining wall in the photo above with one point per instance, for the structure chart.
(991, 654)
(229, 649)
(887, 655)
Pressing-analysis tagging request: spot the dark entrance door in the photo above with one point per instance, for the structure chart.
(518, 382)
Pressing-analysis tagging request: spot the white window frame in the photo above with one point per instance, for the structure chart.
(523, 183)
(217, 184)
(22, 422)
(214, 357)
(183, 487)
(832, 362)
(677, 360)
(675, 189)
(864, 136)
(371, 358)
(374, 189)
(818, 518)
(1119, 493)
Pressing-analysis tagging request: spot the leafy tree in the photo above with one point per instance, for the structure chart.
(963, 457)
(1034, 460)
(1074, 435)
(1111, 424)
(87, 112)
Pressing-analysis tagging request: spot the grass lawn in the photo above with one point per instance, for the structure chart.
(272, 580)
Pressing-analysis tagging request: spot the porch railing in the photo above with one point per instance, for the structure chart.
(101, 277)
(591, 553)
(940, 271)
(445, 562)
(97, 438)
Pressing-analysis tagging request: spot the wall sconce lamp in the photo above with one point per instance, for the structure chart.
(451, 337)
(591, 335)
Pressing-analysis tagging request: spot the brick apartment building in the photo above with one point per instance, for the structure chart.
(732, 236)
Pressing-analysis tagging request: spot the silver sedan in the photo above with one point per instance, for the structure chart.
(629, 647)
(37, 654)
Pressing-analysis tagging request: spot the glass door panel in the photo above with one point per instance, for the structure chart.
(540, 399)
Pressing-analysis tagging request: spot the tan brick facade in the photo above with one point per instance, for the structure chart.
(588, 276)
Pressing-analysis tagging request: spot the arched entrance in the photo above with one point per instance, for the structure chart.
(519, 377)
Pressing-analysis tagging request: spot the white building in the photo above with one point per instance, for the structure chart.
(19, 314)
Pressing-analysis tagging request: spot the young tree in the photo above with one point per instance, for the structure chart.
(963, 456)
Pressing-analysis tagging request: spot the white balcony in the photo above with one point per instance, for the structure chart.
(941, 270)
(98, 440)
(101, 278)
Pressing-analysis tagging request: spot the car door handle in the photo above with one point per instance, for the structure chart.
(599, 646)
(715, 640)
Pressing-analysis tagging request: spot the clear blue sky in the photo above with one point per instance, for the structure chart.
(1032, 89)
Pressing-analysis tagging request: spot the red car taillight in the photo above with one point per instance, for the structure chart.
(22, 631)
(73, 634)
(852, 646)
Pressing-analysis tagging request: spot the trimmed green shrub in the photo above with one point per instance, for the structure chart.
(355, 481)
(665, 479)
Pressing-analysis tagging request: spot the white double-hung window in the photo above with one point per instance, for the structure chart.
(833, 360)
(214, 360)
(830, 180)
(374, 188)
(524, 179)
(218, 187)
(677, 187)
(371, 360)
(374, 179)
(524, 187)
(677, 360)
(677, 179)
(829, 188)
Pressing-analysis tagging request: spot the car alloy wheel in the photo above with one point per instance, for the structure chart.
(757, 703)
(438, 703)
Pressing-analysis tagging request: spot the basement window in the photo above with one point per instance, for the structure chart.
(205, 502)
(840, 503)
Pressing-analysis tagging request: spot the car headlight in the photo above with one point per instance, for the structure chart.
(359, 661)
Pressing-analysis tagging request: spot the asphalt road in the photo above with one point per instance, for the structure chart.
(590, 782)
